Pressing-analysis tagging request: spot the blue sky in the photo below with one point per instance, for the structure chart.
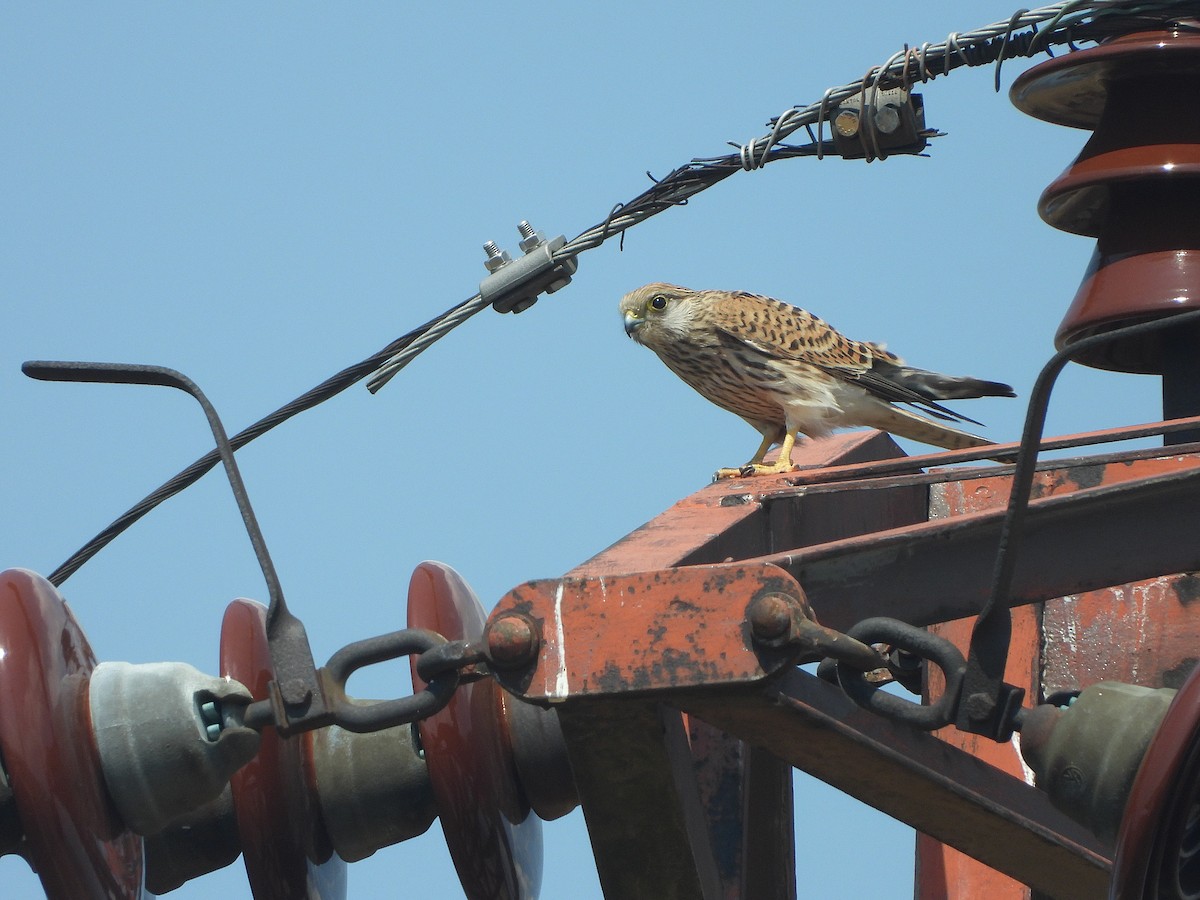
(261, 195)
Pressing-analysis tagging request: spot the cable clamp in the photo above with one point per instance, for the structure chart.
(515, 284)
(892, 120)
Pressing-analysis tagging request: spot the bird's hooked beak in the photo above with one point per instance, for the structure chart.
(632, 322)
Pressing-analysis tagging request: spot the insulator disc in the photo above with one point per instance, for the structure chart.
(1158, 845)
(72, 835)
(283, 843)
(495, 842)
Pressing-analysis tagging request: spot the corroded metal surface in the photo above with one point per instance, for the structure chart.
(620, 634)
(1122, 527)
(913, 776)
(731, 519)
(1142, 632)
(683, 613)
(1145, 633)
(656, 805)
(637, 786)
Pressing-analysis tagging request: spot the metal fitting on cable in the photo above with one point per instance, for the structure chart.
(894, 120)
(513, 285)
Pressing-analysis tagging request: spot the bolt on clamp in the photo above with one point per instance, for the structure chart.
(513, 285)
(892, 120)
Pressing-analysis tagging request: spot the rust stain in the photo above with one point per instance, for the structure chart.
(1143, 633)
(676, 628)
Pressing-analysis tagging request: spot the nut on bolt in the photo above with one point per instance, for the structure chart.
(512, 640)
(496, 258)
(530, 237)
(771, 617)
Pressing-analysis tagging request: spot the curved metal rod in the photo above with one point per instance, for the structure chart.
(297, 696)
(125, 373)
(992, 632)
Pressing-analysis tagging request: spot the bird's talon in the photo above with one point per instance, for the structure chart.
(751, 470)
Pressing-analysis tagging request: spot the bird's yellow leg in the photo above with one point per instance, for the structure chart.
(756, 466)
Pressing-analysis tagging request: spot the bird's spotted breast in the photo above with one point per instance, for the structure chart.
(742, 382)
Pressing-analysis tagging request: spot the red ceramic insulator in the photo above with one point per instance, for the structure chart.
(494, 840)
(1135, 186)
(284, 846)
(73, 837)
(1158, 845)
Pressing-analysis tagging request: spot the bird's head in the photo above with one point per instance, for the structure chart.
(657, 314)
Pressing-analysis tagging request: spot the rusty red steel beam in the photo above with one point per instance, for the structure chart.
(940, 570)
(647, 801)
(914, 777)
(911, 470)
(876, 468)
(747, 792)
(732, 519)
(612, 647)
(619, 635)
(920, 571)
(728, 519)
(636, 783)
(618, 656)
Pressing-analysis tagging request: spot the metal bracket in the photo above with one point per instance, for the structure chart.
(894, 120)
(514, 284)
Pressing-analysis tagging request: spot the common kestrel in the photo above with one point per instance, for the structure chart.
(785, 371)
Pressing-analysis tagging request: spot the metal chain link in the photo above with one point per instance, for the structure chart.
(918, 643)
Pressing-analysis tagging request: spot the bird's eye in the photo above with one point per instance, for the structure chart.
(659, 302)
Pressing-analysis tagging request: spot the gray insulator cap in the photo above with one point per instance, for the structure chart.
(203, 841)
(169, 737)
(373, 788)
(1086, 756)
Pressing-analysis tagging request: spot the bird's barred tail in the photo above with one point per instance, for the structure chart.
(903, 423)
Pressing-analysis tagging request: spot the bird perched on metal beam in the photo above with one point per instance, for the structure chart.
(785, 371)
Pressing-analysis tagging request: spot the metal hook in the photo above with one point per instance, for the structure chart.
(991, 634)
(123, 373)
(299, 690)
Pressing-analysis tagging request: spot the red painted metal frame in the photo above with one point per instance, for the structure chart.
(630, 639)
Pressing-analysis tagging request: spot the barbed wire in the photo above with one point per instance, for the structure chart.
(1059, 24)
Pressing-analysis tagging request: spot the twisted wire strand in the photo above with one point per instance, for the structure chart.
(330, 387)
(442, 326)
(1061, 23)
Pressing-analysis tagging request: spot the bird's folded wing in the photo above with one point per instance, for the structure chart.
(807, 340)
